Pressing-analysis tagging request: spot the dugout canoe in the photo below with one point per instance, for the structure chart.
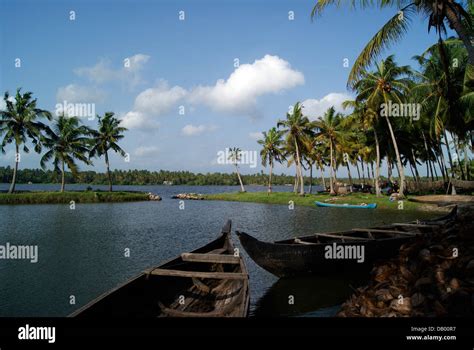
(207, 282)
(335, 252)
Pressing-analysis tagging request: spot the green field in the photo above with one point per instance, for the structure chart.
(67, 197)
(308, 199)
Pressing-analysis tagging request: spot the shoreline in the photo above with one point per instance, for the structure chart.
(283, 198)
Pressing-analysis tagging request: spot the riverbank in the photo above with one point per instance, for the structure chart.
(309, 199)
(42, 197)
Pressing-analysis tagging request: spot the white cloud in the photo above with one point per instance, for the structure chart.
(3, 104)
(256, 135)
(239, 93)
(151, 103)
(192, 130)
(144, 151)
(314, 108)
(103, 72)
(73, 93)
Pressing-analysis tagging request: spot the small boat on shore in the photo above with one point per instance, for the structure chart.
(346, 205)
(335, 252)
(207, 282)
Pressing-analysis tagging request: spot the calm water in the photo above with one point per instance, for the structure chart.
(81, 251)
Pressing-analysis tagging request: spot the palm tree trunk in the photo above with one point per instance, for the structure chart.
(270, 178)
(331, 179)
(456, 147)
(449, 152)
(109, 176)
(310, 178)
(358, 170)
(323, 180)
(399, 161)
(363, 170)
(462, 32)
(349, 174)
(431, 169)
(389, 169)
(300, 171)
(417, 175)
(15, 169)
(63, 177)
(295, 186)
(242, 189)
(377, 165)
(466, 161)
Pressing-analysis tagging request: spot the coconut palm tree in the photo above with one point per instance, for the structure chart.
(67, 142)
(296, 127)
(388, 83)
(20, 122)
(235, 156)
(272, 151)
(329, 130)
(106, 138)
(438, 12)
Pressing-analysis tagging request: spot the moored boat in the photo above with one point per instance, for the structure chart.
(346, 205)
(329, 253)
(207, 282)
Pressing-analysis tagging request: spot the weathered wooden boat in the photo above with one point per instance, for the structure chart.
(328, 253)
(208, 282)
(346, 205)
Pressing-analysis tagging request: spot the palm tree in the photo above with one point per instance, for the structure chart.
(389, 82)
(67, 142)
(106, 138)
(328, 130)
(19, 122)
(235, 155)
(272, 151)
(296, 127)
(438, 11)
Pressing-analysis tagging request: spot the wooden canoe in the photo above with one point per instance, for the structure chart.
(309, 254)
(207, 282)
(345, 205)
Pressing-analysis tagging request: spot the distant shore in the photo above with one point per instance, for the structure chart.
(43, 197)
(308, 200)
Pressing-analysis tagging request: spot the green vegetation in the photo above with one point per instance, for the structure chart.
(308, 199)
(67, 197)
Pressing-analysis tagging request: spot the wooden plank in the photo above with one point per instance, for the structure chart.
(198, 274)
(414, 225)
(373, 230)
(210, 258)
(340, 236)
(299, 241)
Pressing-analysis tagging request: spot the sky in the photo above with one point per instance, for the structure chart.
(188, 78)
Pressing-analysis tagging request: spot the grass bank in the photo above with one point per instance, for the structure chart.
(308, 199)
(67, 197)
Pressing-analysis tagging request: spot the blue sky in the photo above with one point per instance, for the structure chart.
(188, 63)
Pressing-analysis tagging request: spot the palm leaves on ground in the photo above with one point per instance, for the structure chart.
(235, 156)
(19, 123)
(272, 151)
(437, 11)
(296, 127)
(67, 142)
(106, 138)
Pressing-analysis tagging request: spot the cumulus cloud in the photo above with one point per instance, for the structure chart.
(152, 103)
(314, 108)
(103, 72)
(194, 130)
(144, 151)
(255, 135)
(239, 93)
(73, 93)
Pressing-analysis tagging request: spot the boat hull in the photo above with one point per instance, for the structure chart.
(149, 295)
